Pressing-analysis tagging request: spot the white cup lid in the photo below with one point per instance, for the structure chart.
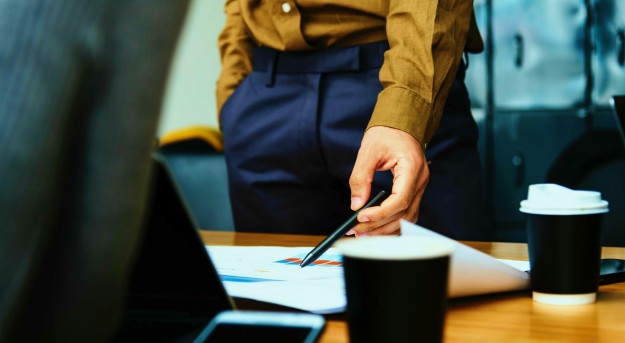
(396, 248)
(552, 199)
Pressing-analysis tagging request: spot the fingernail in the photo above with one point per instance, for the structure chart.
(356, 203)
(363, 219)
(350, 232)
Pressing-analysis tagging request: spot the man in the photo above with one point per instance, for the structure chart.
(300, 84)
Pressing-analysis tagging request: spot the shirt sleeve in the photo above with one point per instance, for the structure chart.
(235, 49)
(426, 41)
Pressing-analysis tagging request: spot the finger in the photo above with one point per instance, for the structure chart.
(385, 225)
(391, 228)
(364, 228)
(412, 213)
(394, 204)
(361, 178)
(408, 187)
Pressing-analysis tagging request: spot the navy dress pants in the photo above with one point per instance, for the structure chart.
(292, 131)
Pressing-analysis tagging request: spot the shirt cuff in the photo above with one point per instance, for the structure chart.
(402, 109)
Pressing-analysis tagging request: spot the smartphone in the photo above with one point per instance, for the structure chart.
(612, 271)
(261, 326)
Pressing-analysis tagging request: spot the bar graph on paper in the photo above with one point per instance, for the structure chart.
(273, 274)
(326, 260)
(254, 264)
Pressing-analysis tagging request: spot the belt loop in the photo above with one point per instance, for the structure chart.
(271, 71)
(360, 57)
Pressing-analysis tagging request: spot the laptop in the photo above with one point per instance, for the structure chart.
(618, 105)
(175, 290)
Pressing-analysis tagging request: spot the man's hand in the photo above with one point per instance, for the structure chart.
(384, 148)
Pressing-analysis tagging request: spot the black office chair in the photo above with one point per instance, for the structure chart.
(195, 156)
(596, 161)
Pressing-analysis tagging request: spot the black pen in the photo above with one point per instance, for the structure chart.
(322, 247)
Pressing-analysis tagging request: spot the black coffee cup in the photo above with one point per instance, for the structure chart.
(564, 243)
(396, 288)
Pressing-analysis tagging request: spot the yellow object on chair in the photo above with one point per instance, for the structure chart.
(207, 134)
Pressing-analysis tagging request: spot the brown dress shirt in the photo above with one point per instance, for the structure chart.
(426, 38)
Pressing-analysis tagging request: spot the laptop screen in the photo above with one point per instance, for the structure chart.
(174, 286)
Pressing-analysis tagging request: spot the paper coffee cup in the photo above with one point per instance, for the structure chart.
(396, 288)
(564, 243)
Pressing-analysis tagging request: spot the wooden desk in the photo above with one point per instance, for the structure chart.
(511, 317)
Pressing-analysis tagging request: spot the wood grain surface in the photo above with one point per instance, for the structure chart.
(508, 317)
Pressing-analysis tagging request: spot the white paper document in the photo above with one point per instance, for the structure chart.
(273, 274)
(473, 272)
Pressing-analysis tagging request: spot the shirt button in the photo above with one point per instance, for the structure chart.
(286, 7)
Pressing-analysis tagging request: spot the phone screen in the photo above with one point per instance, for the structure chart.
(612, 271)
(257, 333)
(254, 326)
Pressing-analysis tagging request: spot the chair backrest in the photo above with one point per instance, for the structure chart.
(200, 173)
(596, 161)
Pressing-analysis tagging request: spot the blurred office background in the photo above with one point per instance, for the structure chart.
(540, 94)
(190, 96)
